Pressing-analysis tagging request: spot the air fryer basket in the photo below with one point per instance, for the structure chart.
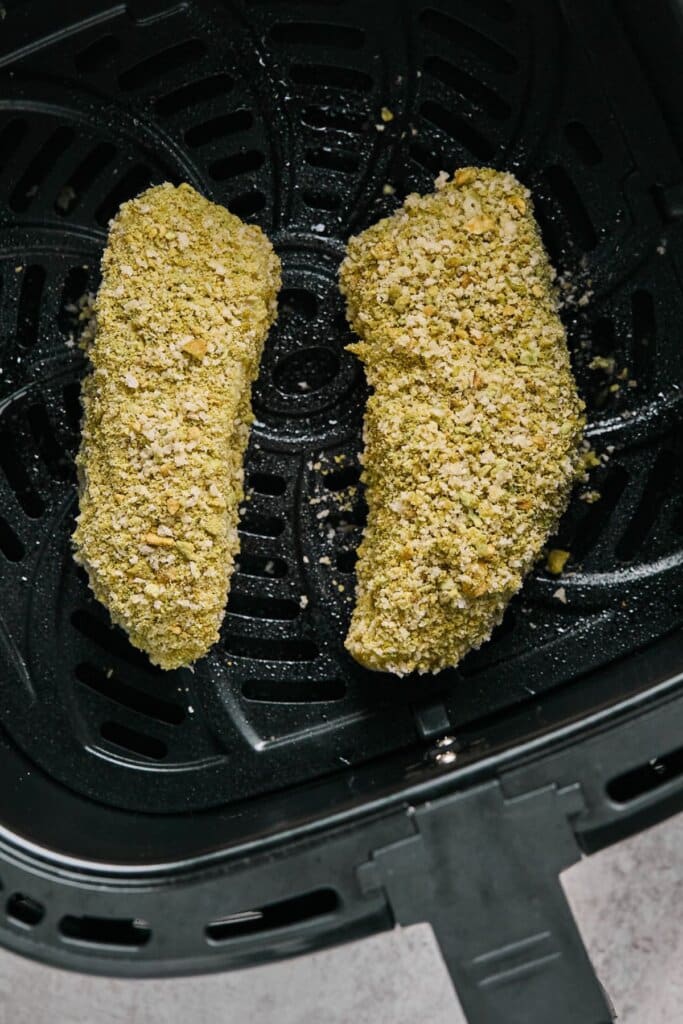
(274, 799)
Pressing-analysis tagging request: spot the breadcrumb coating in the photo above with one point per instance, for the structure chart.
(187, 297)
(473, 430)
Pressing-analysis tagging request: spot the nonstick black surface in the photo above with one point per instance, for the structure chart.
(274, 110)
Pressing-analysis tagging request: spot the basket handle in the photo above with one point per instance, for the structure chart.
(483, 870)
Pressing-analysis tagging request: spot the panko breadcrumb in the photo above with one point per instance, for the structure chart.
(473, 430)
(187, 296)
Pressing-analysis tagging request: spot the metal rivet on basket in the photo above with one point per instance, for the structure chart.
(444, 750)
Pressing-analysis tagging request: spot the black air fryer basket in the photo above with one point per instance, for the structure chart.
(280, 798)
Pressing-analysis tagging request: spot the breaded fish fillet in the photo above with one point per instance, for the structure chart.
(473, 431)
(187, 296)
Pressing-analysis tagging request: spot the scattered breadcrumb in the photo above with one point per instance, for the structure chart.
(590, 460)
(65, 198)
(188, 294)
(575, 290)
(386, 114)
(605, 363)
(473, 428)
(556, 561)
(590, 497)
(560, 595)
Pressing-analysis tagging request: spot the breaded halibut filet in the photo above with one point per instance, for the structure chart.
(473, 431)
(187, 296)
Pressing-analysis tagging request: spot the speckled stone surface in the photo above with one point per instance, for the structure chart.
(627, 899)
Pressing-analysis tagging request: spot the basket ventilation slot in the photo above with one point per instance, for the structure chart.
(276, 915)
(105, 931)
(194, 93)
(24, 910)
(293, 691)
(650, 775)
(109, 686)
(149, 71)
(132, 741)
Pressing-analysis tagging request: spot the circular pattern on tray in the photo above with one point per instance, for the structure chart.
(278, 115)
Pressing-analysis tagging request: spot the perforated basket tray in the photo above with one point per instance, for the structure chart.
(274, 110)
